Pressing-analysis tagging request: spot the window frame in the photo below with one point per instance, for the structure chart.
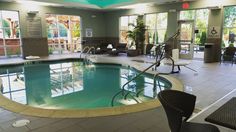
(4, 45)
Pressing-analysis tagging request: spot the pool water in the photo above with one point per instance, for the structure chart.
(74, 85)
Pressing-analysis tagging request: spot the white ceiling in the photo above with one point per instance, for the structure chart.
(93, 6)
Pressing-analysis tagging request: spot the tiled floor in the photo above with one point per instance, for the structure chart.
(212, 82)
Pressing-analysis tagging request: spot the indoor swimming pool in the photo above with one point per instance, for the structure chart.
(75, 85)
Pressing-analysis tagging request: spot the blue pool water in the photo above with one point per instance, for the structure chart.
(73, 85)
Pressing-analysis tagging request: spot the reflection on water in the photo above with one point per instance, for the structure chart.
(72, 85)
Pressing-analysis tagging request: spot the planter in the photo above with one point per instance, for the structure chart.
(132, 53)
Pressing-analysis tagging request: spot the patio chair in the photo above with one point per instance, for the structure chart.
(148, 49)
(121, 47)
(229, 55)
(179, 107)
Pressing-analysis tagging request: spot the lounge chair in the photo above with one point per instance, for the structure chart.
(120, 48)
(176, 62)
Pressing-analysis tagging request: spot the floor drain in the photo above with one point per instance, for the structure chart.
(21, 123)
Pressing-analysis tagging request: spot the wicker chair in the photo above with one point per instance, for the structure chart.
(229, 55)
(179, 107)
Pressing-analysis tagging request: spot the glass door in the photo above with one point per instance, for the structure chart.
(186, 39)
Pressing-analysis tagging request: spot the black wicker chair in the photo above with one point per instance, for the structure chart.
(179, 107)
(148, 49)
(229, 55)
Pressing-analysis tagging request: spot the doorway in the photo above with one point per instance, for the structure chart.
(193, 25)
(186, 39)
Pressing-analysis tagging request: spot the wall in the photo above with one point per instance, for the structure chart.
(97, 23)
(40, 48)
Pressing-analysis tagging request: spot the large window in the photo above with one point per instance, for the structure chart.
(64, 33)
(124, 27)
(229, 33)
(156, 28)
(10, 44)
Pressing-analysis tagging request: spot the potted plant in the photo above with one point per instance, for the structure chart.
(137, 35)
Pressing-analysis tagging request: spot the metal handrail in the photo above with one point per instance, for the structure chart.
(87, 47)
(162, 46)
(154, 83)
(87, 53)
(158, 61)
(90, 49)
(123, 87)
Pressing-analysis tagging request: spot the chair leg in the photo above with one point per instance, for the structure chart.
(178, 67)
(173, 69)
(190, 68)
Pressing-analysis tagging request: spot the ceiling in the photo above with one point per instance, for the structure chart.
(96, 4)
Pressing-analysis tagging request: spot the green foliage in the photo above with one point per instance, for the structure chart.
(76, 31)
(231, 45)
(137, 35)
(7, 30)
(153, 38)
(50, 50)
(197, 40)
(165, 37)
(157, 38)
(222, 44)
(18, 51)
(203, 38)
(131, 35)
(230, 16)
(187, 15)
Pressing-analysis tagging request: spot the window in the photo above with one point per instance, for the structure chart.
(229, 31)
(187, 15)
(10, 44)
(124, 27)
(64, 33)
(201, 25)
(156, 28)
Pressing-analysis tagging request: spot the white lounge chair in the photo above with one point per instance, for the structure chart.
(175, 61)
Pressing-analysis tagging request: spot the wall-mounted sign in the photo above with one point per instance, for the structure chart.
(89, 32)
(34, 27)
(214, 32)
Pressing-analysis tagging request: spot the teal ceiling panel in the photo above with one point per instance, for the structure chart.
(100, 3)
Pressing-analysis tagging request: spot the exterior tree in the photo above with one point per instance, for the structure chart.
(203, 38)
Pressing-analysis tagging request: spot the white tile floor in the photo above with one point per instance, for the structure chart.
(212, 82)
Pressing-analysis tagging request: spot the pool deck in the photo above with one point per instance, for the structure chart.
(213, 84)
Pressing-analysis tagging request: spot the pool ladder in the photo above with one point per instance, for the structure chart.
(125, 95)
(87, 53)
